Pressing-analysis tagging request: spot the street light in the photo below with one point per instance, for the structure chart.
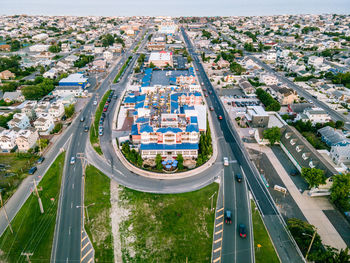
(86, 211)
(312, 241)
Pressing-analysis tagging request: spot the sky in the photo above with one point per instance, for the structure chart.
(173, 7)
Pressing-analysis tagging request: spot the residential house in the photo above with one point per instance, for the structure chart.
(223, 63)
(315, 61)
(29, 108)
(44, 124)
(10, 96)
(6, 74)
(26, 139)
(333, 137)
(268, 79)
(283, 94)
(247, 88)
(19, 120)
(7, 140)
(56, 110)
(340, 155)
(315, 115)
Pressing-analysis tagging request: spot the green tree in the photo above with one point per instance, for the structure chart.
(55, 49)
(151, 65)
(313, 176)
(15, 45)
(339, 124)
(158, 161)
(57, 128)
(69, 110)
(107, 40)
(189, 59)
(126, 148)
(180, 159)
(139, 160)
(273, 135)
(340, 191)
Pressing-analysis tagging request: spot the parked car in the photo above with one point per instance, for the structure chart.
(115, 96)
(104, 109)
(225, 161)
(238, 177)
(103, 114)
(100, 132)
(242, 231)
(220, 117)
(32, 170)
(40, 160)
(95, 102)
(211, 108)
(72, 160)
(206, 95)
(228, 217)
(210, 92)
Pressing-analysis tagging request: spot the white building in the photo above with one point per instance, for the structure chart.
(20, 120)
(315, 61)
(39, 48)
(44, 124)
(64, 91)
(26, 139)
(56, 111)
(268, 79)
(340, 154)
(7, 140)
(40, 37)
(315, 115)
(161, 59)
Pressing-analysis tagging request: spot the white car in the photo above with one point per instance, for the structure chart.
(225, 161)
(95, 102)
(72, 160)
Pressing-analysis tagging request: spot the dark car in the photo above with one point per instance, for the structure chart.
(64, 117)
(228, 217)
(103, 114)
(109, 100)
(238, 178)
(115, 96)
(32, 170)
(86, 128)
(40, 160)
(211, 108)
(242, 231)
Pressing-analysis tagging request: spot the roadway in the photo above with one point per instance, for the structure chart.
(284, 243)
(68, 230)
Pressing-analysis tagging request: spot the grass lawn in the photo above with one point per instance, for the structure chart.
(99, 229)
(94, 129)
(33, 231)
(167, 228)
(14, 168)
(266, 253)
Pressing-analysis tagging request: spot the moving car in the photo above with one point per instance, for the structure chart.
(86, 128)
(228, 217)
(220, 117)
(210, 92)
(40, 160)
(32, 170)
(242, 231)
(225, 161)
(95, 102)
(72, 160)
(82, 119)
(211, 108)
(239, 178)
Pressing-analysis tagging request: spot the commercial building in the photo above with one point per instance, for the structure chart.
(76, 79)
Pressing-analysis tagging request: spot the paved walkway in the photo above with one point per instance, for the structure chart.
(310, 207)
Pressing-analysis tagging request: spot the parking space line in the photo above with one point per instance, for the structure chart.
(220, 216)
(85, 246)
(220, 210)
(218, 232)
(219, 224)
(216, 260)
(86, 255)
(218, 240)
(216, 250)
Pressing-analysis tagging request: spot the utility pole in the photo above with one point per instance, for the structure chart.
(39, 199)
(7, 218)
(211, 198)
(312, 241)
(27, 255)
(93, 123)
(81, 156)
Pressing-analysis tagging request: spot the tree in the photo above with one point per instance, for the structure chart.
(69, 110)
(137, 69)
(15, 45)
(180, 160)
(189, 59)
(339, 124)
(340, 191)
(158, 161)
(273, 135)
(302, 232)
(313, 176)
(107, 40)
(126, 148)
(151, 65)
(55, 49)
(57, 128)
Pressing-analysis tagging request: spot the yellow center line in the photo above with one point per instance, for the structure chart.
(219, 224)
(216, 250)
(87, 243)
(86, 255)
(220, 216)
(216, 260)
(218, 232)
(218, 240)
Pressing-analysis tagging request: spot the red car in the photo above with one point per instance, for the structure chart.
(206, 95)
(220, 117)
(104, 109)
(211, 108)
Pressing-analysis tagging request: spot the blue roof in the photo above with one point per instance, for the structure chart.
(130, 100)
(182, 146)
(134, 130)
(169, 129)
(192, 128)
(174, 106)
(139, 105)
(140, 98)
(146, 128)
(142, 120)
(194, 119)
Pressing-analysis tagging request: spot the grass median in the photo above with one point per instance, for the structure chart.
(116, 79)
(264, 250)
(33, 231)
(169, 228)
(97, 192)
(94, 129)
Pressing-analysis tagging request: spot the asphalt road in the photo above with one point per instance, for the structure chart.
(67, 239)
(286, 248)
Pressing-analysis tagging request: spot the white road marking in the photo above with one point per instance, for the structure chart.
(71, 205)
(72, 186)
(69, 230)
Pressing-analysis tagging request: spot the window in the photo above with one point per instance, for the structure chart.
(311, 164)
(293, 141)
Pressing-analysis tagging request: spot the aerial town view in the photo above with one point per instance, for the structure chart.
(175, 132)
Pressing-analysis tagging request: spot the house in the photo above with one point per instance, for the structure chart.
(315, 115)
(29, 108)
(283, 94)
(56, 110)
(5, 48)
(44, 124)
(161, 59)
(333, 137)
(63, 91)
(10, 96)
(257, 116)
(268, 79)
(303, 154)
(26, 139)
(42, 108)
(51, 73)
(341, 155)
(6, 74)
(247, 88)
(315, 61)
(108, 55)
(7, 140)
(19, 120)
(100, 64)
(223, 63)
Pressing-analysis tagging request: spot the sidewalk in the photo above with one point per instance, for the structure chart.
(310, 207)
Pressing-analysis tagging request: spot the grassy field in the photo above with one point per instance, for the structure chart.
(167, 228)
(33, 231)
(14, 169)
(94, 129)
(97, 191)
(266, 253)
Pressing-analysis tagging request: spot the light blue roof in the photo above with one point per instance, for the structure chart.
(169, 129)
(142, 120)
(146, 128)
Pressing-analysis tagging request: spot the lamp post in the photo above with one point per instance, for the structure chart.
(86, 211)
(312, 241)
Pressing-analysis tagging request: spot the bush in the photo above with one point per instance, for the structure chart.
(270, 103)
(69, 110)
(57, 128)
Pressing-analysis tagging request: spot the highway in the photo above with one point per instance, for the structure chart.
(67, 238)
(284, 243)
